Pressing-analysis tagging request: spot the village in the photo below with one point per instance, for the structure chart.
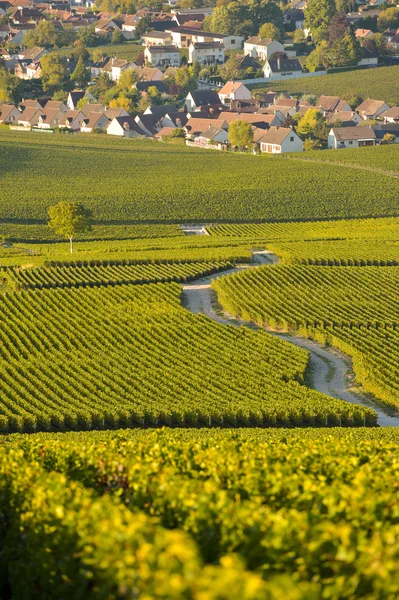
(188, 85)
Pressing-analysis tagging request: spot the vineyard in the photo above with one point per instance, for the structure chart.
(106, 274)
(354, 309)
(385, 158)
(143, 181)
(221, 515)
(131, 356)
(379, 83)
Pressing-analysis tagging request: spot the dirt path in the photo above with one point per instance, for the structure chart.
(330, 371)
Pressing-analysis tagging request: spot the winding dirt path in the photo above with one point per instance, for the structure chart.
(329, 372)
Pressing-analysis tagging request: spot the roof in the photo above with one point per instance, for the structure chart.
(280, 65)
(161, 110)
(362, 33)
(162, 35)
(92, 118)
(344, 116)
(198, 126)
(149, 122)
(381, 130)
(212, 132)
(170, 71)
(143, 86)
(28, 114)
(76, 95)
(165, 131)
(92, 108)
(120, 62)
(258, 41)
(276, 135)
(6, 110)
(230, 86)
(203, 97)
(392, 113)
(32, 53)
(147, 73)
(55, 105)
(128, 124)
(328, 103)
(207, 45)
(70, 114)
(161, 49)
(111, 113)
(208, 34)
(175, 116)
(370, 107)
(343, 134)
(286, 102)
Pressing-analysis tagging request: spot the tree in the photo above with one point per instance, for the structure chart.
(308, 121)
(319, 57)
(240, 134)
(54, 72)
(318, 16)
(244, 18)
(311, 144)
(80, 75)
(270, 32)
(43, 35)
(178, 132)
(117, 36)
(80, 51)
(60, 96)
(338, 29)
(352, 98)
(389, 138)
(122, 102)
(376, 44)
(143, 26)
(310, 98)
(388, 19)
(231, 69)
(68, 219)
(127, 79)
(299, 36)
(82, 102)
(10, 87)
(185, 79)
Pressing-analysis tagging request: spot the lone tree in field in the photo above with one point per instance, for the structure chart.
(240, 134)
(68, 219)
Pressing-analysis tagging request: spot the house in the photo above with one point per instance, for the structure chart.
(212, 135)
(30, 117)
(199, 98)
(150, 73)
(149, 124)
(261, 48)
(55, 104)
(234, 90)
(391, 115)
(183, 37)
(387, 129)
(106, 26)
(118, 65)
(162, 56)
(281, 68)
(262, 121)
(176, 119)
(288, 105)
(9, 114)
(278, 140)
(32, 54)
(160, 110)
(371, 109)
(94, 120)
(195, 127)
(362, 34)
(28, 71)
(165, 132)
(347, 118)
(161, 86)
(157, 38)
(97, 68)
(367, 57)
(329, 104)
(75, 96)
(72, 120)
(50, 118)
(124, 126)
(206, 53)
(351, 137)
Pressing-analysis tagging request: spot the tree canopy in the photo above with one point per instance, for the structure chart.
(240, 134)
(68, 219)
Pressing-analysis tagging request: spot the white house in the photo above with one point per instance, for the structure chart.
(9, 114)
(76, 95)
(162, 56)
(118, 66)
(157, 38)
(278, 140)
(282, 68)
(183, 37)
(30, 117)
(124, 126)
(50, 118)
(261, 48)
(351, 137)
(234, 90)
(206, 53)
(212, 135)
(391, 115)
(198, 98)
(94, 121)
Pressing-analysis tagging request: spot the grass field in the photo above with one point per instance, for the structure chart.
(128, 50)
(130, 181)
(377, 83)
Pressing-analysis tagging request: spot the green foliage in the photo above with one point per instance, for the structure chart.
(43, 35)
(367, 83)
(234, 187)
(240, 134)
(81, 75)
(388, 19)
(54, 72)
(10, 87)
(311, 144)
(318, 15)
(245, 18)
(132, 356)
(270, 31)
(130, 513)
(69, 219)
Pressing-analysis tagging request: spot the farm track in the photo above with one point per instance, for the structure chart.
(329, 372)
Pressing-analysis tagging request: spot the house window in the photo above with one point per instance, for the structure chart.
(232, 41)
(350, 143)
(291, 138)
